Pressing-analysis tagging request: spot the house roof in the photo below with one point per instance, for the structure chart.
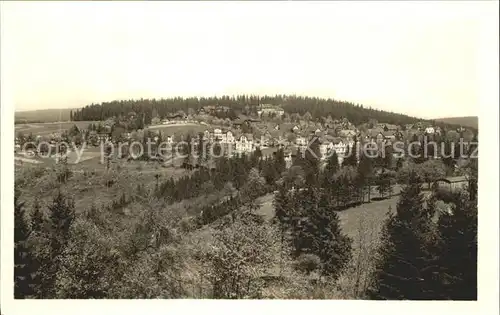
(388, 134)
(391, 126)
(249, 136)
(271, 106)
(456, 179)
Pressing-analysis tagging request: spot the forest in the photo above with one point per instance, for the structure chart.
(317, 107)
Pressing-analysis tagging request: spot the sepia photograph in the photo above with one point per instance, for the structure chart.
(250, 151)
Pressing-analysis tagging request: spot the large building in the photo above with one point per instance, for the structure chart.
(270, 109)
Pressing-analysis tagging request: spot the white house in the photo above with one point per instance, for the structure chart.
(270, 109)
(217, 134)
(244, 144)
(295, 128)
(341, 147)
(228, 137)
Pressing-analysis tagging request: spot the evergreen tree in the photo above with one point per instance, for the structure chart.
(311, 163)
(384, 182)
(269, 172)
(351, 158)
(331, 246)
(365, 173)
(61, 217)
(279, 161)
(23, 258)
(37, 218)
(318, 232)
(330, 170)
(405, 269)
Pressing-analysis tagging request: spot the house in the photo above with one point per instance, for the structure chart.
(388, 136)
(242, 119)
(265, 139)
(217, 134)
(295, 128)
(288, 159)
(270, 109)
(277, 127)
(207, 110)
(390, 127)
(399, 135)
(452, 183)
(300, 140)
(347, 133)
(104, 137)
(341, 147)
(176, 117)
(228, 137)
(244, 144)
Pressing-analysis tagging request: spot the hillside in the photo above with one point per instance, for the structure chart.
(466, 121)
(43, 115)
(316, 107)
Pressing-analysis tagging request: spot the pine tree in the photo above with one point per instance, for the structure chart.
(318, 232)
(331, 246)
(351, 155)
(332, 165)
(405, 266)
(279, 161)
(61, 217)
(365, 173)
(23, 258)
(37, 218)
(311, 163)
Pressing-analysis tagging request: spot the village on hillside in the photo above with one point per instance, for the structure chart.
(271, 129)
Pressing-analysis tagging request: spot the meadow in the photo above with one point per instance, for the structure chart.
(48, 128)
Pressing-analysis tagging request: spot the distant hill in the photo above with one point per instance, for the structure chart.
(466, 121)
(312, 107)
(43, 115)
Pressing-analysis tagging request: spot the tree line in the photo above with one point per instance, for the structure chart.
(147, 109)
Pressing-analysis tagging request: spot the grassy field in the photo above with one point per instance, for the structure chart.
(44, 115)
(466, 121)
(367, 215)
(48, 128)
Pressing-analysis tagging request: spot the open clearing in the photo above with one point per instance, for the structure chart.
(373, 213)
(48, 128)
(365, 216)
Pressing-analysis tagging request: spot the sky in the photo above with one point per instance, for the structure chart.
(418, 58)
